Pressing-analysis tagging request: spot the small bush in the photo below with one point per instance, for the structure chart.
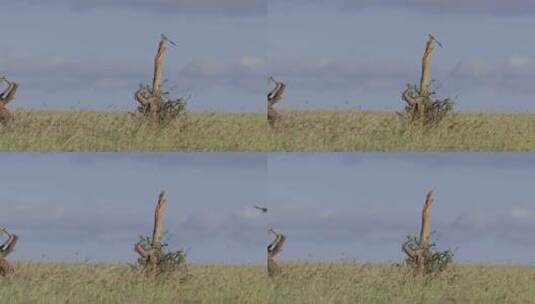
(168, 261)
(435, 262)
(169, 109)
(435, 109)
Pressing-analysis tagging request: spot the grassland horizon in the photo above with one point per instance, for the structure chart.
(299, 283)
(299, 131)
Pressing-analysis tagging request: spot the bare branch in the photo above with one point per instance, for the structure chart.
(409, 250)
(274, 249)
(276, 246)
(5, 249)
(407, 96)
(140, 249)
(158, 221)
(158, 67)
(9, 245)
(142, 96)
(274, 96)
(9, 93)
(150, 251)
(425, 81)
(416, 253)
(425, 232)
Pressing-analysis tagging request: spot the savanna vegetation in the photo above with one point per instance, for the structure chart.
(161, 123)
(299, 131)
(300, 283)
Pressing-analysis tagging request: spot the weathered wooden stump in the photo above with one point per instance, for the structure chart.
(152, 102)
(152, 253)
(417, 98)
(418, 251)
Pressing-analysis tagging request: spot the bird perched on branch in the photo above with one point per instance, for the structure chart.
(435, 40)
(164, 37)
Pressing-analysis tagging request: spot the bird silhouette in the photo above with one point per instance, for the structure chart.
(164, 37)
(263, 209)
(435, 40)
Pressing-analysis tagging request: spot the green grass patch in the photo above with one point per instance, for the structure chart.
(48, 131)
(300, 283)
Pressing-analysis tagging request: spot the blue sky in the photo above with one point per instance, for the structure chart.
(94, 54)
(360, 54)
(334, 54)
(72, 207)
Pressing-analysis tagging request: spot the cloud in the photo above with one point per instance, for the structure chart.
(515, 73)
(484, 7)
(216, 7)
(516, 225)
(248, 73)
(60, 74)
(58, 222)
(320, 74)
(303, 223)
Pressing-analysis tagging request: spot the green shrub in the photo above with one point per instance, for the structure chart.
(168, 261)
(435, 109)
(435, 261)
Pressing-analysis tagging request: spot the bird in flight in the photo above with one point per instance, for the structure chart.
(164, 37)
(263, 209)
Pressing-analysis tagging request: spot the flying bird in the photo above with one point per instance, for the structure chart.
(164, 37)
(263, 209)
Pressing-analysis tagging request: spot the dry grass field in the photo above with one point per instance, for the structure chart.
(300, 283)
(47, 131)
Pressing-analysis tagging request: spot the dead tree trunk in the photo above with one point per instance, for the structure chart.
(5, 249)
(415, 98)
(273, 250)
(158, 67)
(150, 99)
(5, 97)
(425, 80)
(152, 252)
(274, 96)
(416, 253)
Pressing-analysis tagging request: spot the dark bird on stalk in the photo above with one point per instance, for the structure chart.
(164, 37)
(264, 210)
(435, 40)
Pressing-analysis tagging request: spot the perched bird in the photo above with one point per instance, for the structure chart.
(435, 40)
(164, 37)
(264, 210)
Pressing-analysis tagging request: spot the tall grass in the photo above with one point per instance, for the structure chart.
(300, 283)
(298, 131)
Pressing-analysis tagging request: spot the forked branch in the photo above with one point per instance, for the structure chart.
(9, 93)
(5, 97)
(7, 248)
(273, 250)
(274, 96)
